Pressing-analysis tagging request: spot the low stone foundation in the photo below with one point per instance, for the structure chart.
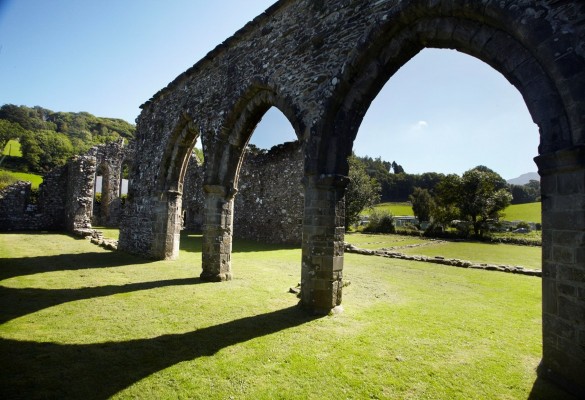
(514, 269)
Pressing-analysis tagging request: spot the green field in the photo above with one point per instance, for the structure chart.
(393, 208)
(78, 321)
(530, 212)
(35, 179)
(12, 148)
(518, 212)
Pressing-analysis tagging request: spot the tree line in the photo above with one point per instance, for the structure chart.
(396, 185)
(476, 198)
(49, 138)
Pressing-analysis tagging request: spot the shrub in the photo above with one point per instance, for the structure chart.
(523, 224)
(380, 222)
(6, 179)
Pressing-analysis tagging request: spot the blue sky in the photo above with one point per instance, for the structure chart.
(443, 111)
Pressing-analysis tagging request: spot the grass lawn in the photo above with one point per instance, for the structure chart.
(78, 321)
(374, 242)
(489, 253)
(35, 179)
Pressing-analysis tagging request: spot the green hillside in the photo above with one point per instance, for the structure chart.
(529, 212)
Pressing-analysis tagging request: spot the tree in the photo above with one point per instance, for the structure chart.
(422, 204)
(9, 130)
(45, 150)
(397, 168)
(361, 192)
(478, 196)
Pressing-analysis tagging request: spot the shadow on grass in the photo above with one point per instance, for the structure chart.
(549, 387)
(31, 370)
(193, 242)
(16, 303)
(13, 267)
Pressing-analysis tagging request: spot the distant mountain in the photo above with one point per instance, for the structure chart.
(524, 178)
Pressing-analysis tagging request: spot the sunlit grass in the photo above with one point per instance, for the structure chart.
(393, 208)
(12, 148)
(530, 212)
(82, 322)
(34, 179)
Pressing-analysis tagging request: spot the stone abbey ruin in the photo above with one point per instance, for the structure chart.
(321, 63)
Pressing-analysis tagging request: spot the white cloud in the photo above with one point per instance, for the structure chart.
(419, 126)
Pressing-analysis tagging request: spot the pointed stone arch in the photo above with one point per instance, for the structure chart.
(169, 189)
(222, 171)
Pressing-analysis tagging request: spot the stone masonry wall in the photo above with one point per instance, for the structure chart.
(269, 202)
(63, 202)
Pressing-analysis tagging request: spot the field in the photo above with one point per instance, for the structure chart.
(35, 179)
(516, 212)
(12, 148)
(82, 322)
(393, 208)
(530, 212)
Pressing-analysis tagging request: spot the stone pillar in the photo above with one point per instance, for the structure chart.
(323, 233)
(563, 258)
(218, 221)
(79, 199)
(167, 229)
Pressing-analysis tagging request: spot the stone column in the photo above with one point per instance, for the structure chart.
(218, 221)
(563, 266)
(167, 229)
(79, 200)
(323, 233)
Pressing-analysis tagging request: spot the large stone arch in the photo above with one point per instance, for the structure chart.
(321, 63)
(530, 63)
(222, 172)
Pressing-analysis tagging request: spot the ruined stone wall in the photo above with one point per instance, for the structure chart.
(110, 158)
(269, 203)
(63, 201)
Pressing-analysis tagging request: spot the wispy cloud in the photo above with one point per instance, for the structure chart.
(419, 126)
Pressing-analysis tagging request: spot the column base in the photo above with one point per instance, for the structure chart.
(214, 277)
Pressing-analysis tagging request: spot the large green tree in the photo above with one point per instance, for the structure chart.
(45, 150)
(477, 197)
(362, 191)
(422, 204)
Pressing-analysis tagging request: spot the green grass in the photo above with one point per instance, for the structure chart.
(488, 253)
(523, 212)
(109, 233)
(35, 179)
(81, 322)
(530, 212)
(12, 148)
(393, 208)
(374, 242)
